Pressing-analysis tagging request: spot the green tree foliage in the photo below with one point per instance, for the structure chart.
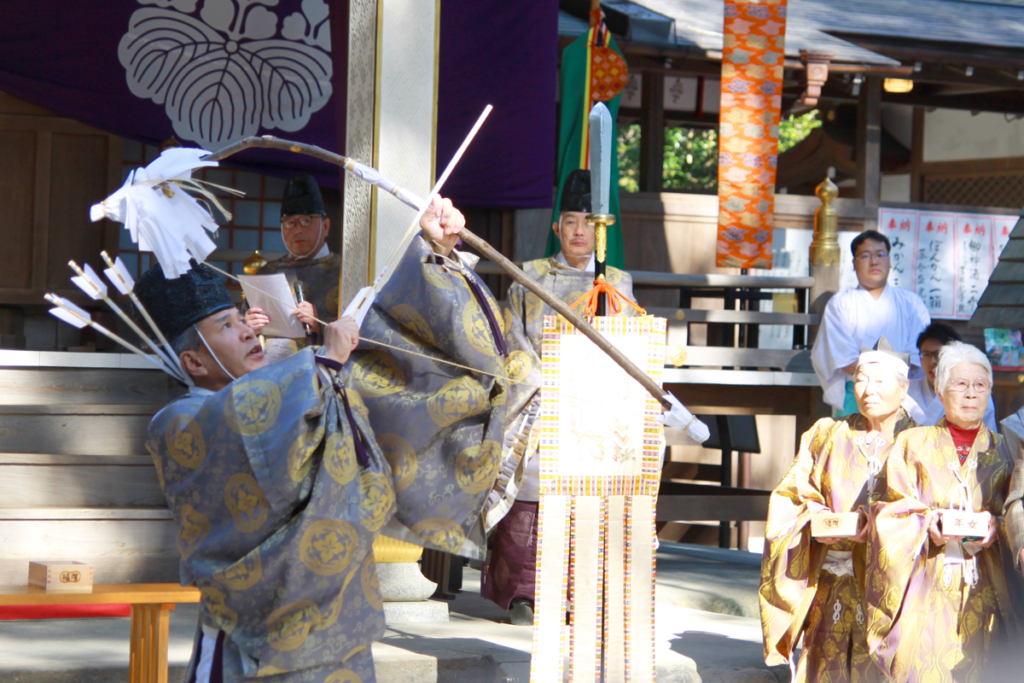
(691, 160)
(629, 157)
(794, 129)
(691, 154)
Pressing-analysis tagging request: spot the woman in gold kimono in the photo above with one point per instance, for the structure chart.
(813, 587)
(939, 605)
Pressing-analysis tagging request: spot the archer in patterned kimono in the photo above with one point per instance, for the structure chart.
(280, 476)
(814, 587)
(939, 606)
(512, 506)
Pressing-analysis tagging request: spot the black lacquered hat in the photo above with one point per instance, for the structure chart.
(302, 197)
(178, 304)
(576, 192)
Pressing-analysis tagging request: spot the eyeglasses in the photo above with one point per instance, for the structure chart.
(930, 355)
(867, 256)
(960, 385)
(298, 222)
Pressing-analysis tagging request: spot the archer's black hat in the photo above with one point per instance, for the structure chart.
(178, 304)
(302, 197)
(576, 192)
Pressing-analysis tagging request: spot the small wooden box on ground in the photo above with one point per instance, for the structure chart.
(835, 524)
(61, 575)
(970, 525)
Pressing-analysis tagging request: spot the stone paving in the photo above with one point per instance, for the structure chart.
(706, 632)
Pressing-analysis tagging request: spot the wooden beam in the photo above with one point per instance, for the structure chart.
(720, 399)
(917, 157)
(910, 50)
(1006, 102)
(652, 132)
(681, 502)
(869, 146)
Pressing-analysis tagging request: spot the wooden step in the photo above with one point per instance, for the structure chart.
(57, 432)
(45, 480)
(124, 545)
(56, 386)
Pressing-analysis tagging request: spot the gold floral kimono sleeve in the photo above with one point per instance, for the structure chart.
(791, 563)
(837, 469)
(926, 620)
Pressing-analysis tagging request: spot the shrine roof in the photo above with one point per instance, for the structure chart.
(825, 25)
(1002, 303)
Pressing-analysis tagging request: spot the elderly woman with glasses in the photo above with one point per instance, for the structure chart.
(938, 601)
(814, 587)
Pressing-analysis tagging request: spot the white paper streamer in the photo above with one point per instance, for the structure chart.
(161, 217)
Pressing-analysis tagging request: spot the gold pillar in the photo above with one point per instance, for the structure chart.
(825, 254)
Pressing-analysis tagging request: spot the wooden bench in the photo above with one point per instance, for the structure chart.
(151, 609)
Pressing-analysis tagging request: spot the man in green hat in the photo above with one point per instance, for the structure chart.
(281, 475)
(512, 508)
(304, 229)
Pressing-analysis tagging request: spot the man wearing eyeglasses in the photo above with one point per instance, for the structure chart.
(304, 228)
(858, 318)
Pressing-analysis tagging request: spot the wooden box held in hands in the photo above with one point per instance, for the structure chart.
(835, 524)
(61, 575)
(973, 526)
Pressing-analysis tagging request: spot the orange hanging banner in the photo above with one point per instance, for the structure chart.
(753, 51)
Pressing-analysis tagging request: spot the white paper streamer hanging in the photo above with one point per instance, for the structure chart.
(160, 216)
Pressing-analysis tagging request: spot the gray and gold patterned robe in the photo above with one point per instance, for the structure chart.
(276, 514)
(523, 319)
(322, 278)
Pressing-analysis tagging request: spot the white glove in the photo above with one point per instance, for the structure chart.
(681, 418)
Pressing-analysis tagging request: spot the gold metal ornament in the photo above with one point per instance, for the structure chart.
(254, 264)
(601, 221)
(387, 549)
(825, 245)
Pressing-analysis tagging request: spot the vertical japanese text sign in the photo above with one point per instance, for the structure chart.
(901, 229)
(935, 262)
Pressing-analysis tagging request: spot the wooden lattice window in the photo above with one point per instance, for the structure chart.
(995, 190)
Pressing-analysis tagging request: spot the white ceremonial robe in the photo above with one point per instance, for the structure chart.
(854, 320)
(927, 409)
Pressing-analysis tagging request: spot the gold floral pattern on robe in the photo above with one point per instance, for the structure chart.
(831, 473)
(925, 621)
(268, 536)
(434, 393)
(276, 512)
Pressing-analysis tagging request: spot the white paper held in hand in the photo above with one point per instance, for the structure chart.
(360, 305)
(681, 418)
(274, 295)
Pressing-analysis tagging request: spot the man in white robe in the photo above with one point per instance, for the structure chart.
(858, 318)
(926, 408)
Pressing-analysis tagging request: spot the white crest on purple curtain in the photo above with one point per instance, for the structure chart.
(223, 75)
